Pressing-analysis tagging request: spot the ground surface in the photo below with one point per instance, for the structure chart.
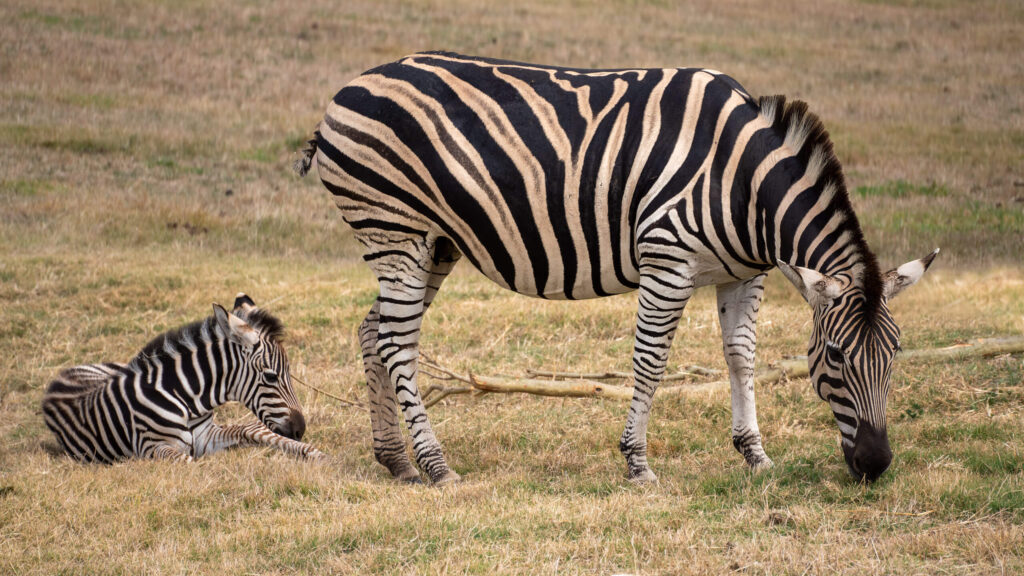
(145, 173)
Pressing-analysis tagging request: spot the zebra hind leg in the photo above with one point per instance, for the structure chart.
(388, 444)
(738, 304)
(410, 271)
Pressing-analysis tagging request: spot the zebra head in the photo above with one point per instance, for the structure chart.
(261, 379)
(853, 342)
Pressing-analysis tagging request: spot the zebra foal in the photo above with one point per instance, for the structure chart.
(568, 183)
(160, 405)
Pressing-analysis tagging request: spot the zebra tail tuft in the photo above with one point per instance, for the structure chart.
(305, 162)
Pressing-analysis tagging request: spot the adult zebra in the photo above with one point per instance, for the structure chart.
(160, 405)
(566, 183)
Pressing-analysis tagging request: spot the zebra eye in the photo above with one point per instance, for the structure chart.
(835, 355)
(270, 377)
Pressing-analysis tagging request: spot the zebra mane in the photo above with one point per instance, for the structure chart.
(803, 132)
(190, 335)
(184, 335)
(265, 323)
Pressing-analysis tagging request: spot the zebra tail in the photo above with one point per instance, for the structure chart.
(305, 162)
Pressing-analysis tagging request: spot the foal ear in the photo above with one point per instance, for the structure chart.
(894, 281)
(817, 288)
(237, 330)
(244, 304)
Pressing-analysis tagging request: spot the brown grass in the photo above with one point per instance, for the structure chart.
(124, 127)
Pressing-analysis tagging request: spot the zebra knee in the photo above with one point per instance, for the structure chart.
(368, 331)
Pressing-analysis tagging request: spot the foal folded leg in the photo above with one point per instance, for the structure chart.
(208, 437)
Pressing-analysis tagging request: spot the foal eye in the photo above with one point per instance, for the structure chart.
(270, 377)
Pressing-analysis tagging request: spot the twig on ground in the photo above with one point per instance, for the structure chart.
(559, 384)
(686, 374)
(438, 372)
(445, 391)
(329, 395)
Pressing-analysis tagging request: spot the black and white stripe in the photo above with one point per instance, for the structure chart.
(565, 183)
(160, 405)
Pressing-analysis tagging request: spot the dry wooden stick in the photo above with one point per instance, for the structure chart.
(686, 374)
(560, 388)
(442, 390)
(980, 347)
(445, 391)
(589, 388)
(577, 375)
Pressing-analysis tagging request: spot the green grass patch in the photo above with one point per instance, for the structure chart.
(902, 189)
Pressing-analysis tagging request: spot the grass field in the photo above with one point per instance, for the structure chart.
(145, 156)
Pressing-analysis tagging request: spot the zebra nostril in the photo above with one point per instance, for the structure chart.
(296, 424)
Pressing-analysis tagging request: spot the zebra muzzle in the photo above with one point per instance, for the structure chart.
(294, 427)
(870, 454)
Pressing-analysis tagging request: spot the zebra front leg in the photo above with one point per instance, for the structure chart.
(388, 445)
(738, 304)
(208, 438)
(661, 302)
(404, 277)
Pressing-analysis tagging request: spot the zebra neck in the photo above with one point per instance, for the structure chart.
(803, 209)
(815, 227)
(192, 366)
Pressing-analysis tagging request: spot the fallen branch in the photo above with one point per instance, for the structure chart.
(590, 388)
(984, 347)
(686, 374)
(445, 391)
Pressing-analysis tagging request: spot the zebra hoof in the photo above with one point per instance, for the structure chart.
(449, 478)
(409, 476)
(644, 478)
(760, 465)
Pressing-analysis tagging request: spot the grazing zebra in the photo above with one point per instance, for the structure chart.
(566, 183)
(160, 405)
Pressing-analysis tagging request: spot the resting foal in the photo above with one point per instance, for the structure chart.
(160, 405)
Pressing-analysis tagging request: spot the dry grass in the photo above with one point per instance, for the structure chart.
(124, 127)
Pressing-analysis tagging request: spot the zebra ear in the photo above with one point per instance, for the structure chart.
(817, 288)
(243, 303)
(236, 329)
(906, 275)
